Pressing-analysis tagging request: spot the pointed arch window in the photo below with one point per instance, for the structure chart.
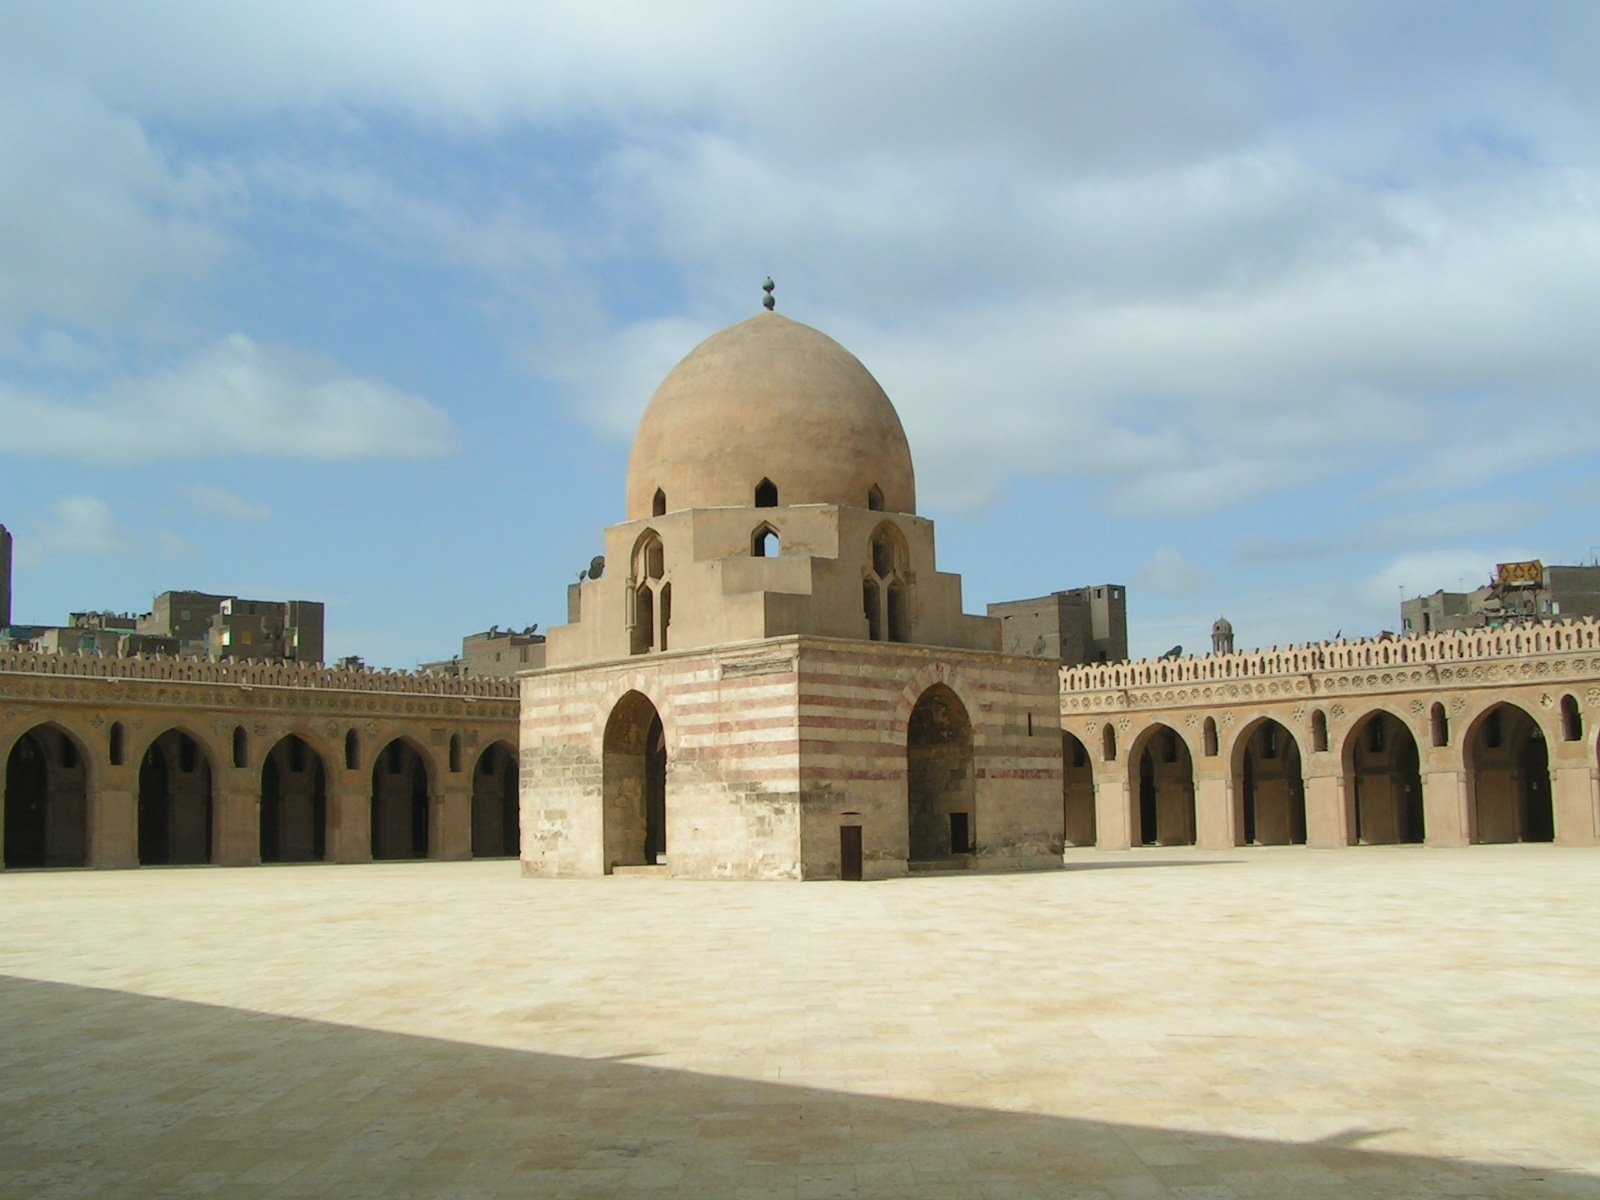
(649, 602)
(893, 592)
(765, 542)
(658, 504)
(875, 498)
(766, 494)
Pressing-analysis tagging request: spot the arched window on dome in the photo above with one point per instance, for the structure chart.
(766, 494)
(892, 594)
(875, 498)
(765, 542)
(658, 504)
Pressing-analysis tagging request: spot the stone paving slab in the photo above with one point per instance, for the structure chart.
(1158, 1023)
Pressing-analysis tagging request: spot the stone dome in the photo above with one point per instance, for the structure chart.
(770, 399)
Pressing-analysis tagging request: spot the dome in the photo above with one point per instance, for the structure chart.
(770, 400)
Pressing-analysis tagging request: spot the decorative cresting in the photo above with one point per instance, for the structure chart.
(770, 399)
(185, 670)
(1460, 659)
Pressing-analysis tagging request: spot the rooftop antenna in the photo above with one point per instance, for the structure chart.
(767, 302)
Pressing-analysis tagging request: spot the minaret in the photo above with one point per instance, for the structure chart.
(5, 577)
(1221, 636)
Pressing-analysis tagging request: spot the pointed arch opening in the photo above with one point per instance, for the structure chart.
(890, 602)
(1319, 731)
(875, 498)
(1208, 735)
(294, 803)
(1571, 719)
(175, 802)
(1077, 792)
(1108, 743)
(941, 789)
(1509, 792)
(766, 494)
(1161, 789)
(352, 750)
(1383, 782)
(1438, 726)
(241, 747)
(634, 785)
(658, 504)
(496, 824)
(115, 744)
(399, 802)
(46, 800)
(1269, 786)
(765, 542)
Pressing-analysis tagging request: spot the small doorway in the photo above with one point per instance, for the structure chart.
(850, 852)
(960, 833)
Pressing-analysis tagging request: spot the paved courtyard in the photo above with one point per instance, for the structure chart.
(1251, 1023)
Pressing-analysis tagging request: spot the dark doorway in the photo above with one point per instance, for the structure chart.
(294, 804)
(496, 827)
(175, 819)
(1383, 780)
(960, 838)
(1077, 792)
(655, 794)
(46, 801)
(399, 803)
(1508, 778)
(634, 784)
(850, 852)
(940, 785)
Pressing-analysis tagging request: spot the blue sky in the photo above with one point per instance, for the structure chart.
(1269, 310)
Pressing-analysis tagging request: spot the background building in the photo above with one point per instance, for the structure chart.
(1518, 593)
(5, 577)
(494, 654)
(1074, 627)
(220, 628)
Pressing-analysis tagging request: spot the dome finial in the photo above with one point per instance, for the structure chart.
(767, 302)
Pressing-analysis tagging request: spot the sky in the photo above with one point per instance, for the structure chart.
(1274, 311)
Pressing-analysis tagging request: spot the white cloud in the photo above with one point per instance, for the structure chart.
(235, 397)
(85, 526)
(223, 503)
(1170, 574)
(102, 230)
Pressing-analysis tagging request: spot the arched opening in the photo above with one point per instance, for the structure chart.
(114, 744)
(875, 498)
(241, 747)
(46, 801)
(1108, 743)
(1319, 731)
(400, 802)
(634, 785)
(1571, 719)
(1508, 778)
(941, 790)
(294, 803)
(872, 609)
(455, 754)
(658, 504)
(1269, 786)
(352, 750)
(1162, 785)
(649, 568)
(1383, 781)
(1209, 737)
(766, 494)
(764, 542)
(496, 828)
(889, 602)
(666, 614)
(1077, 792)
(1438, 726)
(175, 818)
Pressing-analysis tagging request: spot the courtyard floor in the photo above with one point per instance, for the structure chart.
(1251, 1023)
